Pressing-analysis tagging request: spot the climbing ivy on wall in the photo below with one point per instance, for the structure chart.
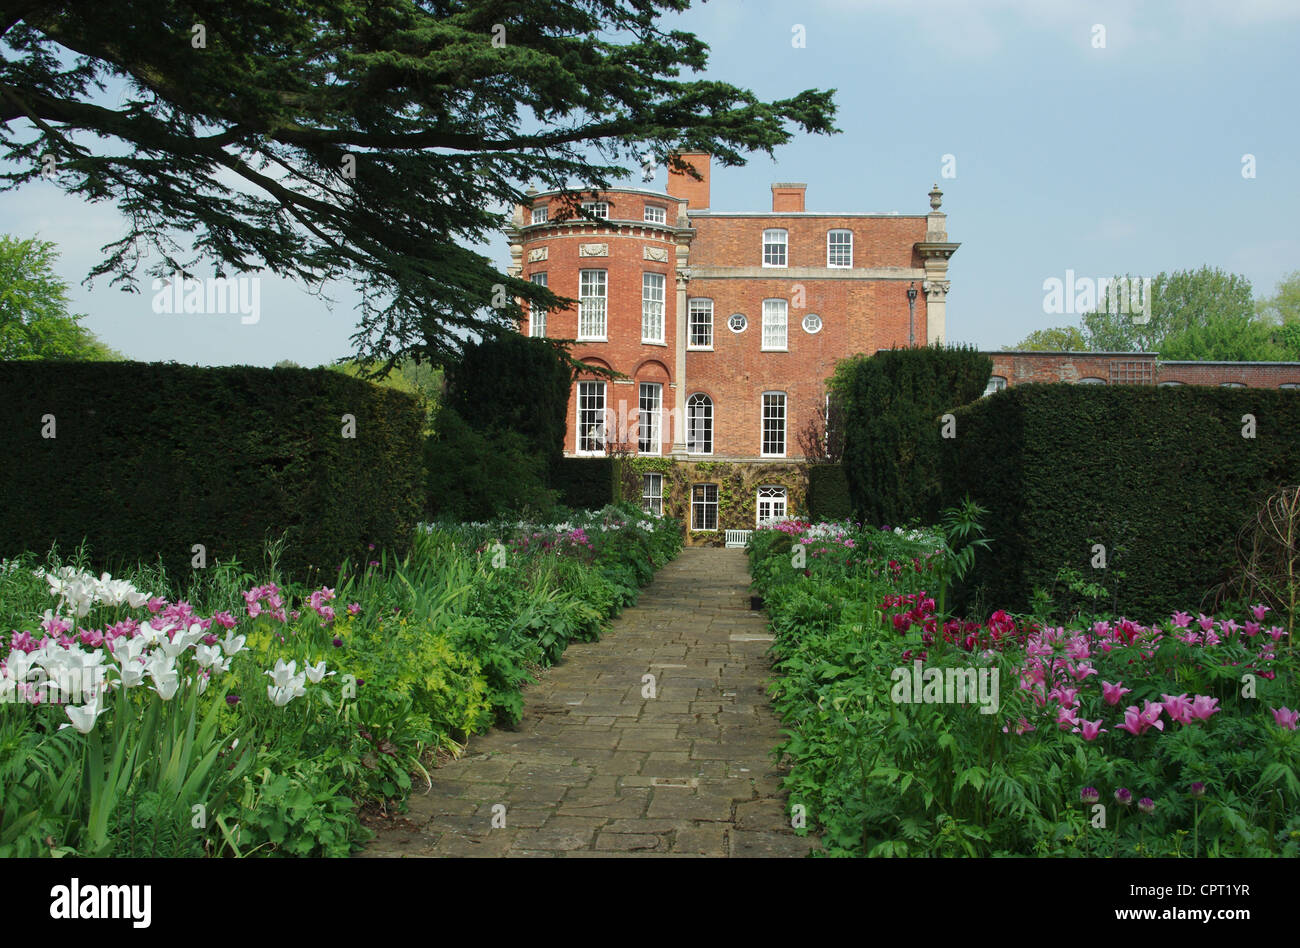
(737, 490)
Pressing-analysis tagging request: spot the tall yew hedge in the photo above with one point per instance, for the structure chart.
(148, 460)
(890, 404)
(1161, 477)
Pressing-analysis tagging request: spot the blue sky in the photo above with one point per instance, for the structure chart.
(1122, 159)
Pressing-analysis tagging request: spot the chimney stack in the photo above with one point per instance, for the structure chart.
(681, 185)
(787, 197)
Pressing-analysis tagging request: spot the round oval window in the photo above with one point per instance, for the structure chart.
(812, 323)
(737, 322)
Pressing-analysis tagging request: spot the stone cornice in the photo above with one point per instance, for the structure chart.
(935, 250)
(808, 273)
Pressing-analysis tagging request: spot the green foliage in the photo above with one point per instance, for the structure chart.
(828, 493)
(585, 483)
(514, 383)
(1161, 477)
(891, 405)
(884, 777)
(476, 475)
(34, 319)
(156, 458)
(1056, 339)
(437, 644)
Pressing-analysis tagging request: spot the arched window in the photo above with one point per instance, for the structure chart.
(699, 424)
(996, 384)
(1092, 380)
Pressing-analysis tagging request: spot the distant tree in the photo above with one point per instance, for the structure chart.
(1192, 313)
(34, 319)
(1282, 311)
(422, 380)
(287, 364)
(1056, 339)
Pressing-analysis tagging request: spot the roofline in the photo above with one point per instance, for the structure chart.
(1193, 362)
(705, 212)
(661, 195)
(1064, 352)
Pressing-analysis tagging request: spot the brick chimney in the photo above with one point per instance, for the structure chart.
(787, 197)
(681, 185)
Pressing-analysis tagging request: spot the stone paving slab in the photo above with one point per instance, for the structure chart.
(597, 769)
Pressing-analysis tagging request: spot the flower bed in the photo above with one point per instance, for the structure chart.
(242, 716)
(917, 733)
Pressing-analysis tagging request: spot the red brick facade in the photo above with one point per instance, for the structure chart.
(838, 295)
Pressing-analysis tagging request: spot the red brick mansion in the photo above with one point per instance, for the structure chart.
(726, 325)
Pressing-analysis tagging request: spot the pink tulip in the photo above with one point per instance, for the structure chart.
(1285, 717)
(1151, 714)
(1180, 619)
(1178, 708)
(1205, 622)
(1113, 693)
(1133, 722)
(1260, 611)
(1081, 671)
(1203, 706)
(1067, 717)
(1091, 729)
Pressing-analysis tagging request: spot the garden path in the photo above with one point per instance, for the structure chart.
(596, 769)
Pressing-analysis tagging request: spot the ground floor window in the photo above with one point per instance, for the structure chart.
(704, 507)
(652, 494)
(771, 504)
(591, 417)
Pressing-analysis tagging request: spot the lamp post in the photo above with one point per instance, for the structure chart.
(911, 314)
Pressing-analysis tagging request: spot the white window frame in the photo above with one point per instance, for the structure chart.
(654, 214)
(811, 320)
(1170, 383)
(652, 494)
(744, 323)
(1284, 385)
(537, 315)
(769, 498)
(699, 306)
(770, 324)
(702, 504)
(835, 248)
(652, 306)
(769, 414)
(593, 307)
(597, 209)
(776, 247)
(540, 214)
(1233, 385)
(650, 404)
(699, 417)
(590, 392)
(996, 384)
(1091, 380)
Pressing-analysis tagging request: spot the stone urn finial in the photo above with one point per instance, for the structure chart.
(936, 197)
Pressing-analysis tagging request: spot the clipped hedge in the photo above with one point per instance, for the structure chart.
(1161, 477)
(148, 460)
(828, 493)
(889, 403)
(586, 483)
